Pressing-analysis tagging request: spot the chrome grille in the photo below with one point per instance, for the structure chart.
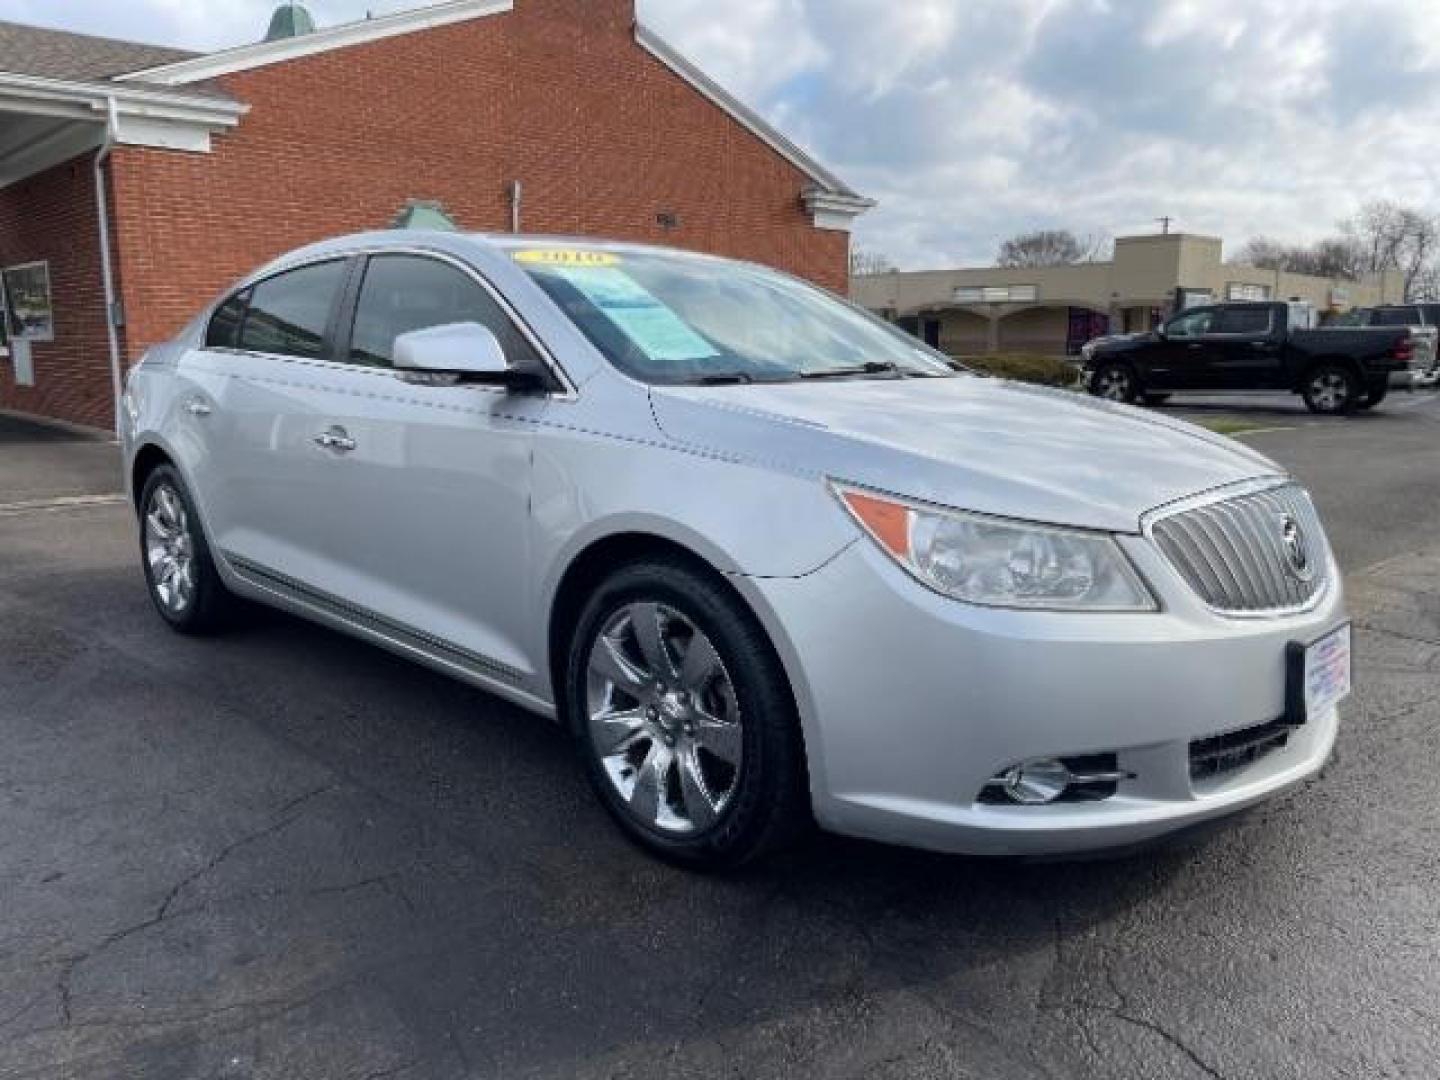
(1235, 555)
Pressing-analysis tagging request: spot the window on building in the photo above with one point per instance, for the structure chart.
(1245, 320)
(1242, 291)
(290, 312)
(405, 293)
(1192, 324)
(997, 294)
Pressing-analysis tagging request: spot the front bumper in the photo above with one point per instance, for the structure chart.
(911, 702)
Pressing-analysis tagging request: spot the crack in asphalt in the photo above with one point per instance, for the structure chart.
(288, 815)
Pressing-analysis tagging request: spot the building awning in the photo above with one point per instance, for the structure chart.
(45, 121)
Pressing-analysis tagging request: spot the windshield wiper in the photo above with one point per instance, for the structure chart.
(873, 367)
(727, 378)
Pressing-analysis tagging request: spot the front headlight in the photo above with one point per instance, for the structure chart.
(996, 562)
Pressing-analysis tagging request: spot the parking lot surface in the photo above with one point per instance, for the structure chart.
(286, 854)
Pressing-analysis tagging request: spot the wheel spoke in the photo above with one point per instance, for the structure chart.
(170, 509)
(615, 731)
(701, 664)
(158, 527)
(700, 806)
(725, 740)
(611, 664)
(650, 783)
(646, 620)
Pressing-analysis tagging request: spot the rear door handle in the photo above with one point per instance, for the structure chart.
(337, 439)
(198, 407)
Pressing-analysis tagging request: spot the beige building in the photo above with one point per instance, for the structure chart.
(1056, 309)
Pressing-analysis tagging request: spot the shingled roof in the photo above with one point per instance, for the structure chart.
(58, 54)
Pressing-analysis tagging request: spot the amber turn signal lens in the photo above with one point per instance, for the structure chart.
(888, 521)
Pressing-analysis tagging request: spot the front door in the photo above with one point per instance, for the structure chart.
(420, 494)
(1184, 359)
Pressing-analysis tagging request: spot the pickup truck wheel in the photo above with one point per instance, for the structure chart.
(1331, 390)
(1115, 382)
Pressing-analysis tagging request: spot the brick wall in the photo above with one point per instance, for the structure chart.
(51, 217)
(556, 94)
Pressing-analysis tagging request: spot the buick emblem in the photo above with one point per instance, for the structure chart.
(1297, 549)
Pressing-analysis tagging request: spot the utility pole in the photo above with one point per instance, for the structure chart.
(1165, 223)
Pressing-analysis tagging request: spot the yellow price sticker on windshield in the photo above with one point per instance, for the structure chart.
(560, 257)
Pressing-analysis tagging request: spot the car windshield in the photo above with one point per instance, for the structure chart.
(677, 319)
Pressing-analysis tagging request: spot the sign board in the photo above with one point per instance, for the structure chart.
(27, 293)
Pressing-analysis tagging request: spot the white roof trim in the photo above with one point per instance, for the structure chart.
(666, 53)
(90, 101)
(247, 57)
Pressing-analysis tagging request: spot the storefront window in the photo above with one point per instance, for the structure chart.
(27, 293)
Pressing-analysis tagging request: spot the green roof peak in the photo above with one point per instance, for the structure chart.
(290, 21)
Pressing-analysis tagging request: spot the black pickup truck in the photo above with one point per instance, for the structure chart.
(1250, 346)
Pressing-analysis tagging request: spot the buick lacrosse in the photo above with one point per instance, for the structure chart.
(768, 558)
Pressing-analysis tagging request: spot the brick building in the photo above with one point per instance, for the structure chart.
(560, 116)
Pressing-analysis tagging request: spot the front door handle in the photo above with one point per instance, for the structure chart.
(337, 439)
(198, 407)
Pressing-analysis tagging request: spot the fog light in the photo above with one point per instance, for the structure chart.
(1035, 783)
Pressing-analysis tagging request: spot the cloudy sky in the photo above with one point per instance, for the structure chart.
(971, 120)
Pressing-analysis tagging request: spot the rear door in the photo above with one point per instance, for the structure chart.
(247, 411)
(1249, 348)
(1185, 358)
(417, 491)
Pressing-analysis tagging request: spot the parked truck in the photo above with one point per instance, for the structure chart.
(1251, 346)
(1423, 319)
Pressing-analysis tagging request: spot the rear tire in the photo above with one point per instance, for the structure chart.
(1330, 390)
(179, 570)
(1115, 382)
(684, 718)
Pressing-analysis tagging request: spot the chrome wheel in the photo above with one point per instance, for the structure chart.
(170, 550)
(1329, 391)
(1113, 384)
(664, 720)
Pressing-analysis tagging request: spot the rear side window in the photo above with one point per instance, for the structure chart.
(1257, 320)
(1406, 316)
(224, 332)
(290, 312)
(405, 293)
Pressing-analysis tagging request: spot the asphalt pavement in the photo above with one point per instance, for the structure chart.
(286, 854)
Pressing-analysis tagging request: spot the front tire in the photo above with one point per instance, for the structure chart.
(1330, 390)
(179, 570)
(685, 719)
(1115, 382)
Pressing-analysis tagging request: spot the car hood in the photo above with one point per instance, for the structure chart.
(977, 444)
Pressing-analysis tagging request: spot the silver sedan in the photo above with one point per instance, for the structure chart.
(771, 560)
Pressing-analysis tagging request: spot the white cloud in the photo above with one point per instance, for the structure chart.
(975, 119)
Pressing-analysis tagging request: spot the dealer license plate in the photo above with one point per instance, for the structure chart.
(1327, 672)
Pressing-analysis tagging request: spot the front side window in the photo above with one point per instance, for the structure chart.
(405, 293)
(290, 312)
(672, 319)
(1251, 321)
(1192, 324)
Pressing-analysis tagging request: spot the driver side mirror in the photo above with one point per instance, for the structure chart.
(1160, 332)
(466, 352)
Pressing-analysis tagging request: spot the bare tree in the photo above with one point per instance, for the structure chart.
(1391, 237)
(1044, 247)
(863, 262)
